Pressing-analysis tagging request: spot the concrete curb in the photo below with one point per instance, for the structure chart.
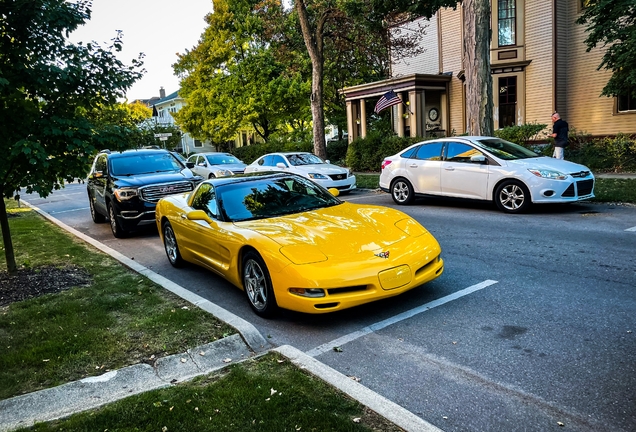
(248, 332)
(93, 392)
(387, 409)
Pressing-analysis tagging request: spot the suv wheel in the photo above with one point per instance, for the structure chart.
(97, 217)
(115, 226)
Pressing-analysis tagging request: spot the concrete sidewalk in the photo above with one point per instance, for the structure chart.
(93, 392)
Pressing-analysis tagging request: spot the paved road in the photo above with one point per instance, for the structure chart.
(532, 325)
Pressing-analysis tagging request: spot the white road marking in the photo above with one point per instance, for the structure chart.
(631, 229)
(68, 211)
(400, 317)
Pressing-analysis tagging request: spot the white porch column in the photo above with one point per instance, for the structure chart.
(363, 118)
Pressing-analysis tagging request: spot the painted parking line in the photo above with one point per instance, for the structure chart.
(68, 211)
(631, 229)
(400, 317)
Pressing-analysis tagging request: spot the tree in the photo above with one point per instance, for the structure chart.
(477, 36)
(612, 24)
(47, 87)
(317, 18)
(232, 79)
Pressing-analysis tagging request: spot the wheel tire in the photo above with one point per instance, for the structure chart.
(97, 217)
(171, 246)
(512, 196)
(211, 176)
(258, 285)
(115, 226)
(402, 192)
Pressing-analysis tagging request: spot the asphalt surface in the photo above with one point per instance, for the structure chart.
(530, 328)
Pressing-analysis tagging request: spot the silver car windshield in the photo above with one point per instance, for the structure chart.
(505, 149)
(304, 159)
(222, 159)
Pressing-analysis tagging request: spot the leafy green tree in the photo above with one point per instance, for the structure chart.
(47, 88)
(320, 19)
(231, 79)
(612, 24)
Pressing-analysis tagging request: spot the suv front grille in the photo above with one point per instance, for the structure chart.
(155, 192)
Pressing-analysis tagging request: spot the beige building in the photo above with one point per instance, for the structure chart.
(539, 65)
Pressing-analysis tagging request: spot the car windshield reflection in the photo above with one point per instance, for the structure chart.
(269, 198)
(505, 150)
(304, 159)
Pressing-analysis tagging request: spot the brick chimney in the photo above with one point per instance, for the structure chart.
(162, 93)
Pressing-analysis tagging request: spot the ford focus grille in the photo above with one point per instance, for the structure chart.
(584, 187)
(155, 192)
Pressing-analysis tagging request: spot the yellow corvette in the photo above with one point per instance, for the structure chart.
(289, 243)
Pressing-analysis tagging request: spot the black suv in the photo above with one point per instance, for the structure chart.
(124, 187)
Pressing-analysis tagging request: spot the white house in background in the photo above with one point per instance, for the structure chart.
(166, 106)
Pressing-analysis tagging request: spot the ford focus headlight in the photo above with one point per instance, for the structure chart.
(549, 174)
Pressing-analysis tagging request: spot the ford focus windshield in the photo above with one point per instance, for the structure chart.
(505, 149)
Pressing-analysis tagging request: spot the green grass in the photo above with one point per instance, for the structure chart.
(119, 319)
(264, 394)
(605, 189)
(615, 190)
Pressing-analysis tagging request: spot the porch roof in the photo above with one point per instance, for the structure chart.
(397, 84)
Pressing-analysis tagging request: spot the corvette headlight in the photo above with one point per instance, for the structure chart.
(308, 292)
(124, 194)
(318, 176)
(549, 174)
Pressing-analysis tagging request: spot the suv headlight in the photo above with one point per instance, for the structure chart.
(549, 174)
(124, 194)
(318, 176)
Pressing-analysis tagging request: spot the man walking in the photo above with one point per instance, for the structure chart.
(560, 135)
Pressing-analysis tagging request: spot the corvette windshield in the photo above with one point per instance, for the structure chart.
(266, 198)
(504, 149)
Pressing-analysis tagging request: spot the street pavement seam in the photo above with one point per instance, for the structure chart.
(51, 404)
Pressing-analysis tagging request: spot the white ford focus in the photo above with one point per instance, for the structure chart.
(484, 168)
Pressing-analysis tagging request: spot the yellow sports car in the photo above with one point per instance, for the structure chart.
(290, 243)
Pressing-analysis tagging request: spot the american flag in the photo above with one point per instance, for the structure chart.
(388, 99)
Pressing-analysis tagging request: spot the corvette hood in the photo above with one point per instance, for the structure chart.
(343, 230)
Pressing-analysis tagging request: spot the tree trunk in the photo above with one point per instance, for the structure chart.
(479, 103)
(12, 268)
(314, 43)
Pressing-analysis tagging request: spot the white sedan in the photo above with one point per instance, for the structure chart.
(484, 168)
(307, 165)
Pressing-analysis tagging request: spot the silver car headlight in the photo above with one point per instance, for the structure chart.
(124, 194)
(549, 174)
(222, 173)
(318, 176)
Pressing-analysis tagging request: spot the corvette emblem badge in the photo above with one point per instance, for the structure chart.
(384, 255)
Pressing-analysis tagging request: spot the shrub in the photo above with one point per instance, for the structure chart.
(522, 134)
(366, 154)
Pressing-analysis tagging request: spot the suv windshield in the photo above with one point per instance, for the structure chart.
(129, 165)
(505, 150)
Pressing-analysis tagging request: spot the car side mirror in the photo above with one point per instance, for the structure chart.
(189, 165)
(195, 215)
(281, 165)
(333, 191)
(480, 158)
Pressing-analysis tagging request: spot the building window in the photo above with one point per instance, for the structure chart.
(507, 101)
(507, 23)
(626, 103)
(198, 143)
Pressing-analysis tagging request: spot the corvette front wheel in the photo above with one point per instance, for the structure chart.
(258, 285)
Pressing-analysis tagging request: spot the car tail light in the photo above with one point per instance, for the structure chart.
(385, 163)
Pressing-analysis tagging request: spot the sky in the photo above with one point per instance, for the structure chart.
(158, 28)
